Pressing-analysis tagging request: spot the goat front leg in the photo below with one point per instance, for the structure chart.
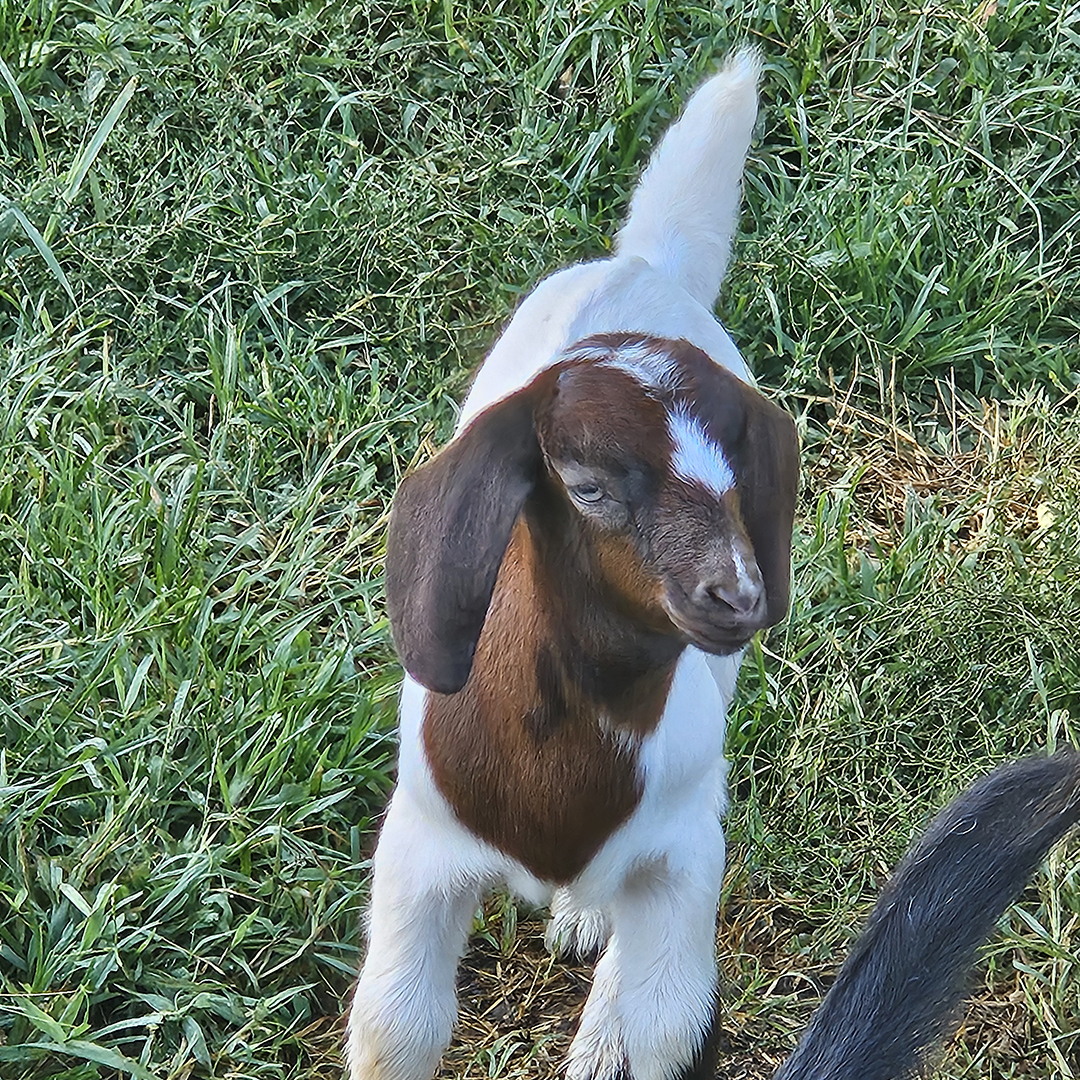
(652, 1012)
(427, 878)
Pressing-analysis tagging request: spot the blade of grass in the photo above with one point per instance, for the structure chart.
(86, 157)
(27, 116)
(42, 246)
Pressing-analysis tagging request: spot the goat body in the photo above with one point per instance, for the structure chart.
(571, 583)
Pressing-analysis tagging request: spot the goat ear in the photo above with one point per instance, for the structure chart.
(768, 478)
(449, 528)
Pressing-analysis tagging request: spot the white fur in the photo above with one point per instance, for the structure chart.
(574, 930)
(644, 363)
(652, 889)
(684, 209)
(747, 578)
(696, 456)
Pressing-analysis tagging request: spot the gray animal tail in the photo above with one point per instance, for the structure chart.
(899, 990)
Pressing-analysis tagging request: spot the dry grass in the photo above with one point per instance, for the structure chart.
(979, 460)
(519, 1006)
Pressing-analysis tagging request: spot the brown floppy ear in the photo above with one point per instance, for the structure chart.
(767, 478)
(449, 528)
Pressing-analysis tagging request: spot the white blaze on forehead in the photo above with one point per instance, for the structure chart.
(696, 456)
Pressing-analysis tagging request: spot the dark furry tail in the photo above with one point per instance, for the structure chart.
(899, 990)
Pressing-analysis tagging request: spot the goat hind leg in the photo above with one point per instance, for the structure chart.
(574, 930)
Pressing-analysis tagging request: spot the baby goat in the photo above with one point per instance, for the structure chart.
(571, 584)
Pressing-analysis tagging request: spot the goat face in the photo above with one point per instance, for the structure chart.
(646, 440)
(672, 479)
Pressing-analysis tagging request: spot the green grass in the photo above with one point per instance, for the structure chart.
(248, 254)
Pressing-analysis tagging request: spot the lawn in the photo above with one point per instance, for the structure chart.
(249, 253)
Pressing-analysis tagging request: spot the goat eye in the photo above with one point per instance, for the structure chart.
(588, 493)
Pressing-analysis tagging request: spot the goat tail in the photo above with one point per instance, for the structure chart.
(899, 990)
(686, 206)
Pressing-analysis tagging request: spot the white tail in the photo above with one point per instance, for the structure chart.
(685, 208)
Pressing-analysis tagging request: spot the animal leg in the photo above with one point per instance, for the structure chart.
(574, 930)
(425, 890)
(651, 1014)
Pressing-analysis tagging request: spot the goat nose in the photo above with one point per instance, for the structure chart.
(743, 597)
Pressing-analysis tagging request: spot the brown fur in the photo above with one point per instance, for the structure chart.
(535, 753)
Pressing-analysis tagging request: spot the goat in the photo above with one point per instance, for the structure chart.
(571, 584)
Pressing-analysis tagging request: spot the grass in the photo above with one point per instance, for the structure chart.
(249, 252)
